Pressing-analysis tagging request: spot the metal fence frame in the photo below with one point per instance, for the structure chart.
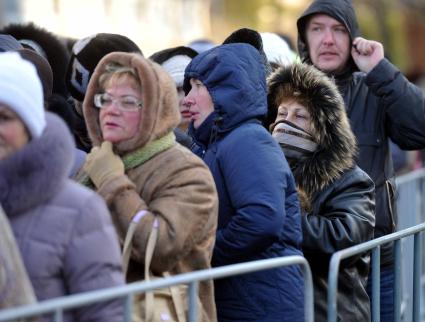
(374, 245)
(127, 292)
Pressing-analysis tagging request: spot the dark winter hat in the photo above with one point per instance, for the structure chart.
(174, 61)
(9, 43)
(86, 53)
(47, 45)
(252, 37)
(44, 70)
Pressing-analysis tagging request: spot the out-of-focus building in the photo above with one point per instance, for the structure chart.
(153, 25)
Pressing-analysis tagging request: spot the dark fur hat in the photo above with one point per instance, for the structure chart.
(330, 126)
(86, 53)
(47, 45)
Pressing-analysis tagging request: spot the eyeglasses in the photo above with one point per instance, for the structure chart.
(124, 103)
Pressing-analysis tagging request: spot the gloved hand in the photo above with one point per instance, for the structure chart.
(102, 164)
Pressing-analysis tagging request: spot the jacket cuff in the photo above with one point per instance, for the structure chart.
(382, 73)
(114, 186)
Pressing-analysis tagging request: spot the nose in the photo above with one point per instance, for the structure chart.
(188, 101)
(290, 117)
(328, 37)
(112, 108)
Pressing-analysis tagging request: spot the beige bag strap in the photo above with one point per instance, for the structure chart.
(177, 301)
(128, 239)
(153, 236)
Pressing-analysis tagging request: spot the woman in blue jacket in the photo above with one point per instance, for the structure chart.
(226, 95)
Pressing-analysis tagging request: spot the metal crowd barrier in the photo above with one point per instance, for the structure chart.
(127, 292)
(374, 245)
(410, 197)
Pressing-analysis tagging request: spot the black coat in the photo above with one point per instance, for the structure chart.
(380, 105)
(343, 216)
(337, 197)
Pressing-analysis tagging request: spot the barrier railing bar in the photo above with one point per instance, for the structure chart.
(140, 287)
(357, 249)
(193, 304)
(58, 315)
(416, 277)
(376, 284)
(397, 280)
(128, 307)
(411, 176)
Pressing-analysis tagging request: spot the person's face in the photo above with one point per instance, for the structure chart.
(295, 113)
(199, 102)
(328, 43)
(184, 110)
(118, 125)
(13, 133)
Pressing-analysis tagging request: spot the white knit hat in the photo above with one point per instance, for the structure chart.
(277, 49)
(175, 66)
(21, 91)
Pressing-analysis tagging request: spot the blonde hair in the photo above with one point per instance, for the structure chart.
(117, 72)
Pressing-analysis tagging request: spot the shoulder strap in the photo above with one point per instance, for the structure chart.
(150, 247)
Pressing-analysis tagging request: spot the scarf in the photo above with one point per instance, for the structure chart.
(141, 155)
(294, 141)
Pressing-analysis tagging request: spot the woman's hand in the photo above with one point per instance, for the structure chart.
(102, 164)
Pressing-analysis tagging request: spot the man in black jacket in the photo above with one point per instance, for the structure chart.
(380, 104)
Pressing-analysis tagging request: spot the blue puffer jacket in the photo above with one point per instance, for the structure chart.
(256, 220)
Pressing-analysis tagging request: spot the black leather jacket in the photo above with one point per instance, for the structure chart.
(343, 216)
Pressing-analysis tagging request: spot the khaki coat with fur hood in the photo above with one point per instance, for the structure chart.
(174, 186)
(337, 197)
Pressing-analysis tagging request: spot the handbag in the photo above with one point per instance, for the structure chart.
(168, 304)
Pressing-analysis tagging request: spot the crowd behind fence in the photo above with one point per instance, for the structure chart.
(409, 270)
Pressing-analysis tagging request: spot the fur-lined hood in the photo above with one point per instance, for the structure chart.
(331, 129)
(160, 114)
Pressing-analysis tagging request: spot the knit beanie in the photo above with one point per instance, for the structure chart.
(21, 91)
(277, 49)
(174, 61)
(86, 53)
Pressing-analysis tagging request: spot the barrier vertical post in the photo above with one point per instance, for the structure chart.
(397, 280)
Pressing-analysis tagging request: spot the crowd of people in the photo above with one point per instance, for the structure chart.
(234, 152)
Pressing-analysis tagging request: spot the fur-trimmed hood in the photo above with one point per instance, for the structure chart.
(331, 129)
(160, 114)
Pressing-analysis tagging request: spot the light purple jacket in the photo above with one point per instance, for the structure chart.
(64, 230)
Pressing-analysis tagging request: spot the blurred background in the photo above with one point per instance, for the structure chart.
(158, 24)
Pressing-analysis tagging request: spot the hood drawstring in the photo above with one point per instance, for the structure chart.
(214, 131)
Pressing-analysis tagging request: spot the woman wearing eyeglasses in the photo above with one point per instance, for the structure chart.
(131, 110)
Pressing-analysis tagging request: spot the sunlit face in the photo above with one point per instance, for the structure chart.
(184, 110)
(13, 132)
(199, 102)
(295, 113)
(328, 43)
(118, 125)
